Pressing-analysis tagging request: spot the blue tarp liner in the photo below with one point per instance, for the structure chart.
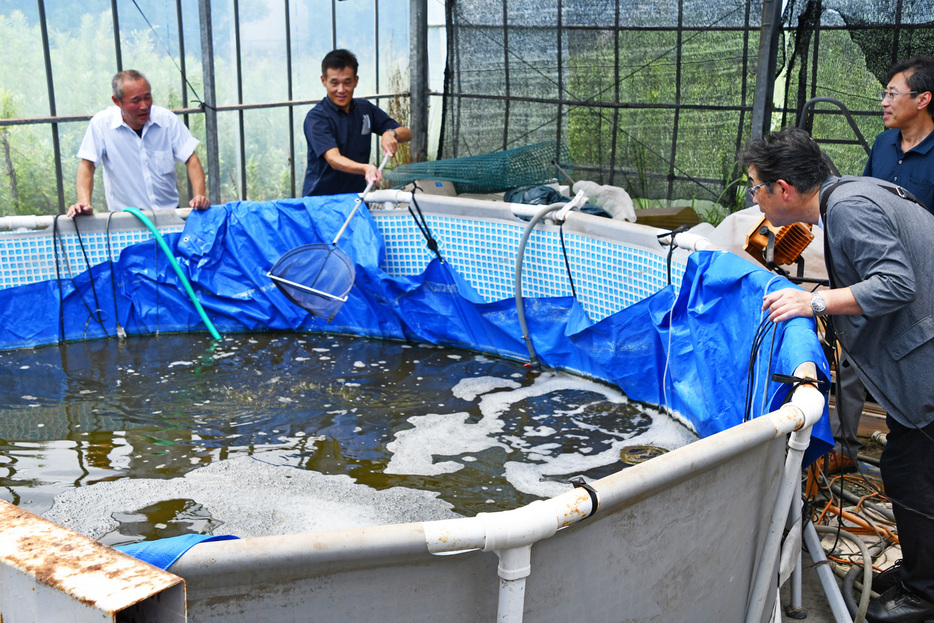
(688, 351)
(163, 553)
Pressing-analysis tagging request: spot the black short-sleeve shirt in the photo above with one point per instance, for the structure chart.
(326, 127)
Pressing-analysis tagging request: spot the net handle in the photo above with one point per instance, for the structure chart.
(366, 191)
(298, 286)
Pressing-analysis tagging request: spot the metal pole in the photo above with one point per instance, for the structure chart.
(240, 123)
(209, 103)
(333, 24)
(288, 69)
(117, 47)
(56, 147)
(828, 582)
(418, 78)
(768, 61)
(184, 76)
(376, 40)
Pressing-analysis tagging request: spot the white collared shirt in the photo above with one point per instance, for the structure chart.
(139, 171)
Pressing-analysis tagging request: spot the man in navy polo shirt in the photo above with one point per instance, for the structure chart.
(338, 130)
(904, 153)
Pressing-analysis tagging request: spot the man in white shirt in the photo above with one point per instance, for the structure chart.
(138, 144)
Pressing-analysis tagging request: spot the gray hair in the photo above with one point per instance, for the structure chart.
(120, 79)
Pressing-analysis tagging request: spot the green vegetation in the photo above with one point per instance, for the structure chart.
(83, 62)
(643, 146)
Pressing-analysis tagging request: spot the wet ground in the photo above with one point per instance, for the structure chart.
(816, 608)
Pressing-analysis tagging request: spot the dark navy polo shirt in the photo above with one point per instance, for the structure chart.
(913, 171)
(326, 127)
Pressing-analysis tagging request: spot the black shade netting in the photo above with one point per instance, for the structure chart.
(659, 97)
(316, 277)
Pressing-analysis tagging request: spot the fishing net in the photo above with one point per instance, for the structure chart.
(316, 277)
(489, 173)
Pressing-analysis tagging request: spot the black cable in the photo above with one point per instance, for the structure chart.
(764, 327)
(671, 245)
(169, 54)
(567, 264)
(58, 279)
(59, 245)
(423, 224)
(121, 333)
(87, 262)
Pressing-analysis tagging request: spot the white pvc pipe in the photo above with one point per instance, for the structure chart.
(392, 198)
(494, 532)
(841, 613)
(515, 565)
(28, 222)
(811, 403)
(797, 598)
(694, 242)
(509, 530)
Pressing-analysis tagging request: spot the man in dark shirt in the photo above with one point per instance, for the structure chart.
(339, 129)
(904, 153)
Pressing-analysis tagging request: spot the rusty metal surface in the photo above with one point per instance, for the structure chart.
(58, 562)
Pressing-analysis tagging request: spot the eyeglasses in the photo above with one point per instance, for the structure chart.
(752, 189)
(890, 95)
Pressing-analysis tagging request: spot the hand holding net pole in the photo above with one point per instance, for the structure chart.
(366, 191)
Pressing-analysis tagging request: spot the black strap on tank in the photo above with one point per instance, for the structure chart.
(578, 481)
(423, 224)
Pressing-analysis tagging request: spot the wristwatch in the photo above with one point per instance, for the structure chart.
(394, 133)
(818, 304)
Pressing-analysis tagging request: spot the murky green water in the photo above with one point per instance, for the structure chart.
(482, 432)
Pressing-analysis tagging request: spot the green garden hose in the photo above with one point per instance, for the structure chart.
(178, 271)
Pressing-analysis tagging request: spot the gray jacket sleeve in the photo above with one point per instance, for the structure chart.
(869, 255)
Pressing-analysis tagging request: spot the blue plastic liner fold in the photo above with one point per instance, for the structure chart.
(687, 350)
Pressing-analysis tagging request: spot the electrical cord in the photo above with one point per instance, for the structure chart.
(671, 245)
(58, 245)
(765, 326)
(423, 224)
(169, 54)
(121, 333)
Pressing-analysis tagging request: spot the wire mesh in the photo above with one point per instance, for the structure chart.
(490, 173)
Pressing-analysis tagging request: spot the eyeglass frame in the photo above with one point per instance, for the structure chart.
(890, 95)
(752, 190)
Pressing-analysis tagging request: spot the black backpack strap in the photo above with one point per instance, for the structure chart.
(824, 200)
(898, 191)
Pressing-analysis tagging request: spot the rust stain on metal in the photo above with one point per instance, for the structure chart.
(88, 571)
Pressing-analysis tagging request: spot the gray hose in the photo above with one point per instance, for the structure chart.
(520, 308)
(860, 611)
